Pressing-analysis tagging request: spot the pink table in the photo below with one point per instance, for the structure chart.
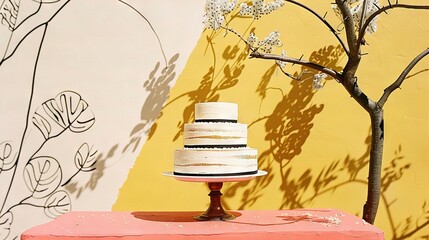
(275, 224)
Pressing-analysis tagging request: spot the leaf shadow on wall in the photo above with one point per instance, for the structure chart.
(287, 128)
(411, 226)
(212, 83)
(158, 86)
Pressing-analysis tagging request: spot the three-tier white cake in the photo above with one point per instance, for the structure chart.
(215, 144)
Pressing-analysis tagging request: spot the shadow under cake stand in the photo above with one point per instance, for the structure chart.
(215, 210)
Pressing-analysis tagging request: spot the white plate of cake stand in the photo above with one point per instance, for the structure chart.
(215, 210)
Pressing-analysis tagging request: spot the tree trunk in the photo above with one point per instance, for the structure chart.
(375, 164)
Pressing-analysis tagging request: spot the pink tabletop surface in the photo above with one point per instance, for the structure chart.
(273, 224)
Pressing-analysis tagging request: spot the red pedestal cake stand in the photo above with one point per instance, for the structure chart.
(215, 210)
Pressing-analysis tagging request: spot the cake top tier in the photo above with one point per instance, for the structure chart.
(216, 111)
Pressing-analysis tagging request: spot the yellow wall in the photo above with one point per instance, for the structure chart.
(313, 144)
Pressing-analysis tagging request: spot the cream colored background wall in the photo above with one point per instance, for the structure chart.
(98, 52)
(313, 144)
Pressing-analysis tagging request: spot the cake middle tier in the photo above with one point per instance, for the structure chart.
(209, 134)
(215, 161)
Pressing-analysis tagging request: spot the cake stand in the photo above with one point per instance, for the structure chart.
(215, 210)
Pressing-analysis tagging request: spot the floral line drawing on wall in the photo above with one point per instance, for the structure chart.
(42, 174)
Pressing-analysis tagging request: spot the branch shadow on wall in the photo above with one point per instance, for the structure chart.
(158, 86)
(351, 170)
(411, 226)
(287, 128)
(212, 83)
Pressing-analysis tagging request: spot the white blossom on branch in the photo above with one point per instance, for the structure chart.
(215, 11)
(259, 8)
(282, 64)
(319, 81)
(252, 39)
(356, 8)
(267, 45)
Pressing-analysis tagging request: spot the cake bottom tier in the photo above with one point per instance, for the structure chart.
(215, 161)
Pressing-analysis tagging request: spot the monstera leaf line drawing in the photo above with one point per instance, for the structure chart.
(85, 159)
(57, 204)
(5, 223)
(9, 13)
(66, 111)
(7, 156)
(42, 176)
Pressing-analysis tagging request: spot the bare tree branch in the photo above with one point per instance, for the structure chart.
(296, 78)
(362, 17)
(288, 74)
(397, 84)
(417, 73)
(331, 72)
(362, 30)
(332, 29)
(350, 28)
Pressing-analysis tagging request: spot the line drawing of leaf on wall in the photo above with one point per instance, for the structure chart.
(9, 13)
(42, 176)
(57, 204)
(66, 111)
(7, 157)
(5, 223)
(85, 159)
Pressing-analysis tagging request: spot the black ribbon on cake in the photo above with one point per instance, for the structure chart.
(216, 120)
(216, 146)
(215, 175)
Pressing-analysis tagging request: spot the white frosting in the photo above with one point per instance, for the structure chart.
(215, 160)
(215, 134)
(216, 110)
(210, 160)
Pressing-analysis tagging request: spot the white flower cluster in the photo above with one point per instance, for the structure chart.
(318, 80)
(356, 8)
(282, 64)
(215, 12)
(252, 39)
(259, 8)
(266, 45)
